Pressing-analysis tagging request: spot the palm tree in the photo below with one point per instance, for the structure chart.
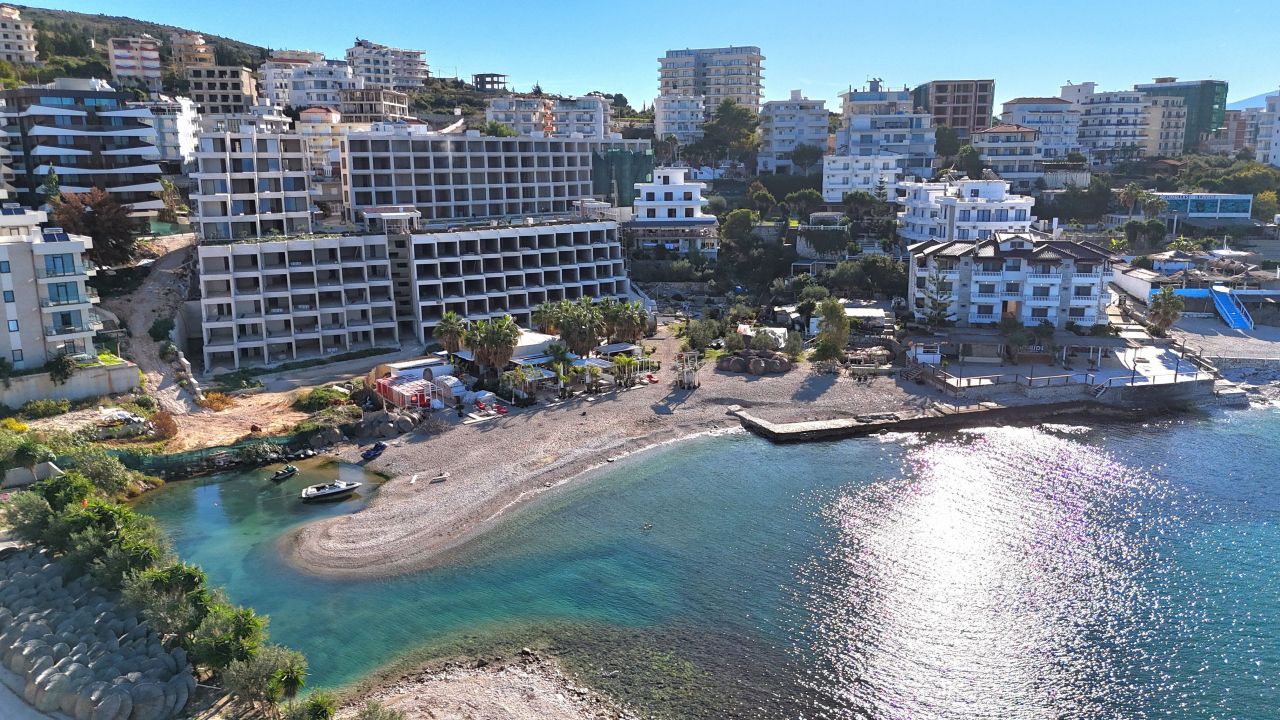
(450, 332)
(632, 322)
(292, 676)
(559, 355)
(1153, 205)
(611, 312)
(581, 324)
(1131, 195)
(1165, 309)
(546, 317)
(626, 367)
(493, 341)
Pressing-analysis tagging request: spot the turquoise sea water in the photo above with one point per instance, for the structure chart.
(1121, 571)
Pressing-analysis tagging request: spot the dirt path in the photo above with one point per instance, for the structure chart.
(159, 296)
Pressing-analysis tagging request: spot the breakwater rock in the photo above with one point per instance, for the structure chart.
(80, 652)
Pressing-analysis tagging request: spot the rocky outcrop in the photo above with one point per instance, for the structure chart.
(755, 362)
(79, 652)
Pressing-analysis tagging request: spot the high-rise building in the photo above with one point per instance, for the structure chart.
(303, 79)
(85, 132)
(135, 62)
(678, 116)
(717, 74)
(786, 125)
(251, 184)
(379, 66)
(1113, 125)
(963, 105)
(48, 306)
(323, 130)
(1057, 121)
(877, 121)
(190, 50)
(222, 89)
(18, 44)
(1166, 126)
(1205, 103)
(177, 123)
(584, 117)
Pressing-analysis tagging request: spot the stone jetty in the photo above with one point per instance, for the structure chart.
(79, 652)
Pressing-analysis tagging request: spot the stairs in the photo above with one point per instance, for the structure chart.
(1230, 308)
(1098, 390)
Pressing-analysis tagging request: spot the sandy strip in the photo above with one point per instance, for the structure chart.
(496, 464)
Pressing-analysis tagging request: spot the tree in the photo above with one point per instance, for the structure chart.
(1076, 157)
(859, 204)
(493, 341)
(762, 201)
(946, 142)
(450, 331)
(256, 680)
(1131, 196)
(969, 162)
(174, 599)
(804, 156)
(172, 199)
(61, 368)
(1154, 230)
(227, 635)
(833, 330)
(320, 706)
(51, 190)
(1164, 309)
(937, 300)
(1265, 206)
(493, 128)
(730, 131)
(738, 225)
(98, 215)
(765, 341)
(804, 202)
(1153, 205)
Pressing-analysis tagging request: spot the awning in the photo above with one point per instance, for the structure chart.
(593, 362)
(466, 355)
(617, 348)
(539, 359)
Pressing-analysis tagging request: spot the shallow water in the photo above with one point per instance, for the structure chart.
(1124, 571)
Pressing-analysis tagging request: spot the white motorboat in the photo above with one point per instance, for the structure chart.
(329, 491)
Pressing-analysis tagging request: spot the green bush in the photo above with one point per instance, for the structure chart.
(794, 346)
(733, 342)
(373, 710)
(764, 341)
(319, 399)
(227, 635)
(103, 469)
(28, 514)
(260, 677)
(146, 402)
(44, 407)
(320, 706)
(160, 329)
(701, 333)
(64, 491)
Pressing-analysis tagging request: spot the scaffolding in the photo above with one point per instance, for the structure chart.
(687, 366)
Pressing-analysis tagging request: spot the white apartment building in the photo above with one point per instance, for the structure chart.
(380, 66)
(1012, 152)
(251, 184)
(48, 306)
(582, 117)
(177, 124)
(1029, 276)
(1056, 120)
(786, 125)
(262, 116)
(843, 175)
(17, 37)
(275, 76)
(135, 62)
(1267, 149)
(301, 78)
(1113, 125)
(961, 210)
(265, 301)
(876, 121)
(190, 50)
(716, 74)
(323, 131)
(671, 198)
(679, 116)
(450, 176)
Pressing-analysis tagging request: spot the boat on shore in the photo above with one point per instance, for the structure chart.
(329, 491)
(441, 477)
(374, 451)
(284, 473)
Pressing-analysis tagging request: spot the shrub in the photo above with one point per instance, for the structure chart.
(794, 346)
(160, 329)
(44, 407)
(375, 711)
(701, 333)
(103, 469)
(228, 635)
(320, 706)
(764, 341)
(258, 678)
(30, 453)
(64, 491)
(733, 342)
(13, 425)
(217, 401)
(61, 368)
(146, 402)
(166, 427)
(28, 514)
(319, 399)
(168, 351)
(259, 453)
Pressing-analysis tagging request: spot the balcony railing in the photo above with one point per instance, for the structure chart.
(88, 297)
(91, 325)
(73, 271)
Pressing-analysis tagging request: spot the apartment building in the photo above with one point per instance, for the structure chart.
(963, 105)
(135, 62)
(449, 176)
(668, 212)
(679, 116)
(878, 121)
(48, 304)
(222, 89)
(388, 68)
(1012, 152)
(1113, 125)
(1267, 148)
(302, 79)
(717, 74)
(1203, 101)
(489, 82)
(323, 131)
(370, 105)
(1166, 126)
(581, 117)
(1056, 120)
(85, 132)
(786, 125)
(17, 37)
(262, 116)
(176, 123)
(843, 175)
(251, 184)
(961, 210)
(190, 50)
(1232, 137)
(1029, 276)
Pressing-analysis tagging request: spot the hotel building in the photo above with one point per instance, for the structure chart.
(668, 212)
(582, 117)
(786, 125)
(843, 175)
(961, 210)
(1056, 120)
(17, 37)
(388, 68)
(678, 116)
(1012, 152)
(716, 74)
(963, 105)
(135, 62)
(222, 89)
(877, 121)
(177, 123)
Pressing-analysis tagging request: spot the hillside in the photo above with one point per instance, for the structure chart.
(63, 41)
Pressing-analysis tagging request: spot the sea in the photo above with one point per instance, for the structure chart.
(1054, 571)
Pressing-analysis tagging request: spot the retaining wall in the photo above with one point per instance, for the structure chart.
(90, 382)
(1236, 363)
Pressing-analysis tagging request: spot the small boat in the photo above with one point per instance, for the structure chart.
(329, 491)
(374, 451)
(285, 473)
(440, 478)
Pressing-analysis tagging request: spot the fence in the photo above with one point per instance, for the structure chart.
(196, 462)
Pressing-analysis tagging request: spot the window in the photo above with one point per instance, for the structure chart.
(17, 356)
(13, 326)
(986, 309)
(1040, 291)
(964, 216)
(8, 296)
(1076, 312)
(4, 266)
(1013, 287)
(1040, 313)
(986, 288)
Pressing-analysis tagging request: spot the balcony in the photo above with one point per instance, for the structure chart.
(1053, 277)
(88, 326)
(91, 296)
(1042, 300)
(988, 274)
(75, 271)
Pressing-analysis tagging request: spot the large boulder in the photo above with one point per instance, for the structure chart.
(116, 704)
(181, 693)
(737, 365)
(756, 366)
(149, 702)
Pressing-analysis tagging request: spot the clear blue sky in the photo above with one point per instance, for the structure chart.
(1030, 47)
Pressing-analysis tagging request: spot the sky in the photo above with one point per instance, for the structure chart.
(1030, 47)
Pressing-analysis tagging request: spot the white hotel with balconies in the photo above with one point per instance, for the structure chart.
(678, 116)
(583, 117)
(786, 125)
(843, 175)
(1029, 276)
(961, 210)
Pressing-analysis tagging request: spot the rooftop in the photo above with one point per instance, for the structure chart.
(1004, 128)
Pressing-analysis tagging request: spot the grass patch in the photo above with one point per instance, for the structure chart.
(245, 377)
(319, 399)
